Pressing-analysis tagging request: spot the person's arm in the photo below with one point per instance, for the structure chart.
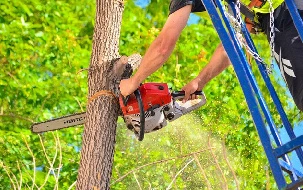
(218, 62)
(159, 50)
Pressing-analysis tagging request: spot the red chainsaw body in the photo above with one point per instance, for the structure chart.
(153, 94)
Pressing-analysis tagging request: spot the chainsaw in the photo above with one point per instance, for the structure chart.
(152, 105)
(146, 110)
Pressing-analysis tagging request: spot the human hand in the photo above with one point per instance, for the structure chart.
(190, 88)
(128, 86)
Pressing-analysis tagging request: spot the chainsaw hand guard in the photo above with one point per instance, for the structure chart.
(142, 115)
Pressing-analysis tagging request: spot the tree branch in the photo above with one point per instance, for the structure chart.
(225, 186)
(43, 103)
(171, 183)
(34, 161)
(159, 161)
(15, 79)
(202, 171)
(14, 116)
(60, 158)
(48, 160)
(20, 183)
(229, 165)
(137, 180)
(72, 185)
(79, 103)
(9, 176)
(25, 166)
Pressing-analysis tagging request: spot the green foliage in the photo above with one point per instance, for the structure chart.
(44, 46)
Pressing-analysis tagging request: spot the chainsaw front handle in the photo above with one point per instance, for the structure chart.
(177, 95)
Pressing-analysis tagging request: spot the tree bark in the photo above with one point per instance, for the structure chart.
(102, 112)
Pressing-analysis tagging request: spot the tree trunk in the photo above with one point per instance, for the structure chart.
(102, 112)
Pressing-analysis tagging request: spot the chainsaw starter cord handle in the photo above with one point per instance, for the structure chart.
(142, 114)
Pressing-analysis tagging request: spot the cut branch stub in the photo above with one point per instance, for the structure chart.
(134, 60)
(124, 67)
(120, 66)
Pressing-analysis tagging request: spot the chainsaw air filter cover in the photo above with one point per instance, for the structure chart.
(154, 95)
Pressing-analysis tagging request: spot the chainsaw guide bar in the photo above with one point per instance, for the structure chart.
(59, 123)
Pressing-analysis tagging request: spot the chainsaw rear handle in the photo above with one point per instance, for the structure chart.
(177, 95)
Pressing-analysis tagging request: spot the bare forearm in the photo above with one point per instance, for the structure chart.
(163, 45)
(156, 55)
(216, 65)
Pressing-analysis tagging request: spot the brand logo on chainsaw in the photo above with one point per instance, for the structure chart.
(74, 120)
(130, 108)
